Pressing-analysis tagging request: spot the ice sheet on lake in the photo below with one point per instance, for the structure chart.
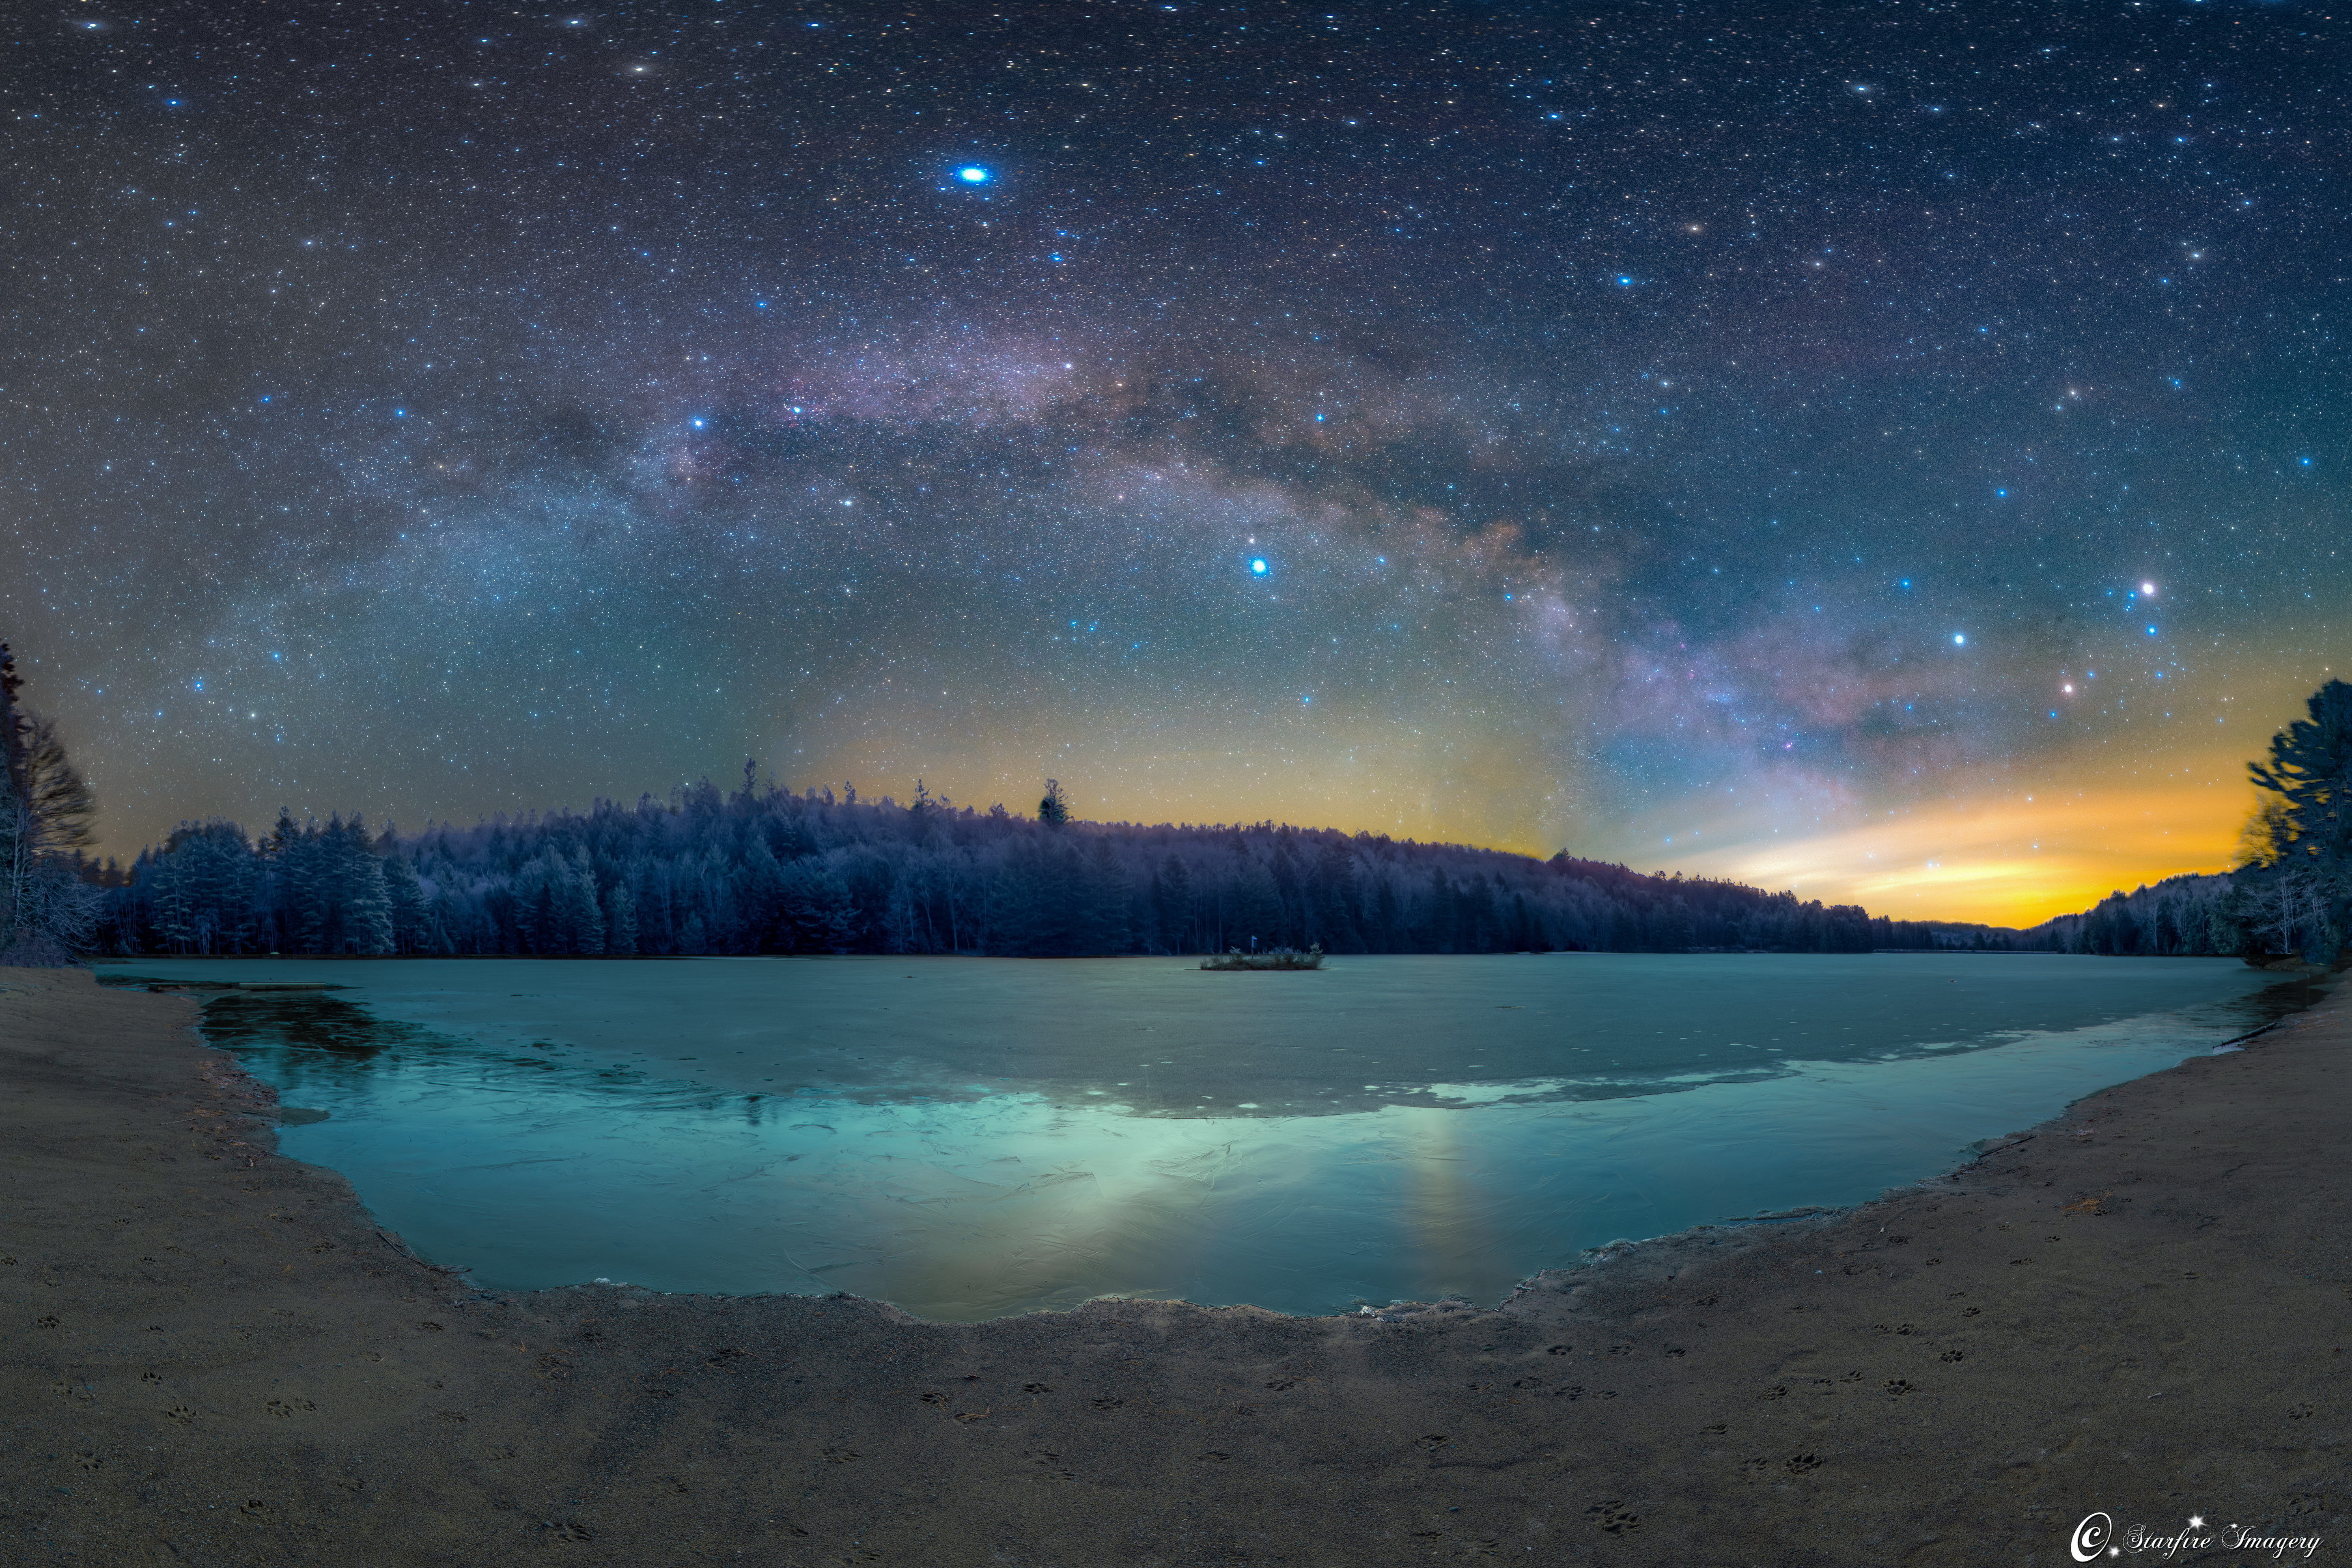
(545, 1140)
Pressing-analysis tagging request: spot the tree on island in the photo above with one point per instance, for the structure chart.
(46, 910)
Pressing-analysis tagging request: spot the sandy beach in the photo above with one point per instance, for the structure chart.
(210, 1355)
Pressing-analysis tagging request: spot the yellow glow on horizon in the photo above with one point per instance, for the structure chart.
(2012, 842)
(2012, 862)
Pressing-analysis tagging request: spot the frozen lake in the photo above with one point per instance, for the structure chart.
(967, 1138)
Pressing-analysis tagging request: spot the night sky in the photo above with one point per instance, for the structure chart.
(1896, 452)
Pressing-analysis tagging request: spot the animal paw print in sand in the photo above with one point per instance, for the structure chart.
(151, 1377)
(1528, 1383)
(863, 1555)
(935, 1397)
(1707, 1300)
(839, 1455)
(1052, 1464)
(1778, 1391)
(1896, 1328)
(1751, 1466)
(183, 1413)
(1896, 1388)
(254, 1508)
(571, 1531)
(283, 1407)
(1281, 1383)
(968, 1417)
(89, 1462)
(2300, 1412)
(2306, 1504)
(45, 1321)
(1432, 1441)
(1573, 1392)
(1107, 1403)
(1971, 1311)
(430, 1327)
(1953, 1355)
(1035, 1388)
(1215, 1457)
(1614, 1517)
(726, 1357)
(1558, 1349)
(322, 1247)
(1800, 1463)
(675, 1488)
(1621, 1350)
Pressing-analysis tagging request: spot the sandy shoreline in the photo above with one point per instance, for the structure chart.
(208, 1354)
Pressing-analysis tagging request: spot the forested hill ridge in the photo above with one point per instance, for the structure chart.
(773, 872)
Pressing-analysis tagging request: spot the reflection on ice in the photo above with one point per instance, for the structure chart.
(999, 1145)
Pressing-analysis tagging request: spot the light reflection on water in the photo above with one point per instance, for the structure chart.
(1018, 1135)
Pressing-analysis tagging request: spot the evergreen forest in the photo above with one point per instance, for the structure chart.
(774, 871)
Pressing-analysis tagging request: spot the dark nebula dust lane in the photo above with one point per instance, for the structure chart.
(1890, 450)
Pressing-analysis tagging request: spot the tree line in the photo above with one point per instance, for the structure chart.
(775, 871)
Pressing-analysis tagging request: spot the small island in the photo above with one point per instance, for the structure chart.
(1272, 958)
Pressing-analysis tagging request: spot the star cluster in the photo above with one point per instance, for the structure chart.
(1892, 450)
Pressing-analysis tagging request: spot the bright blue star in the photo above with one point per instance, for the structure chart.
(1258, 567)
(972, 174)
(1959, 639)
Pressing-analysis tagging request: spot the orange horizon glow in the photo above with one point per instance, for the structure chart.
(2009, 863)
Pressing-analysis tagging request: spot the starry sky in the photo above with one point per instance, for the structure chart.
(1895, 451)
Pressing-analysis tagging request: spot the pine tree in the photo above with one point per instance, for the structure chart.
(366, 905)
(406, 896)
(1171, 901)
(2310, 841)
(45, 910)
(1053, 810)
(620, 919)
